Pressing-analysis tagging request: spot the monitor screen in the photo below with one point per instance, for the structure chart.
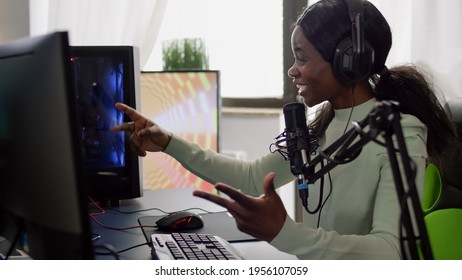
(103, 76)
(43, 201)
(187, 103)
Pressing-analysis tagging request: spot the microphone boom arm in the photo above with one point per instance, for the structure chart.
(384, 120)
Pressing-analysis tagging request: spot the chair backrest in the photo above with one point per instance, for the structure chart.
(454, 104)
(432, 188)
(443, 217)
(444, 229)
(452, 154)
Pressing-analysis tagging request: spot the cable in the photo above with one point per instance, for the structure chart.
(108, 247)
(133, 247)
(351, 111)
(321, 194)
(138, 211)
(329, 159)
(114, 252)
(102, 212)
(157, 209)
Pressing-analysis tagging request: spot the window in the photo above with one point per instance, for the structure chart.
(247, 40)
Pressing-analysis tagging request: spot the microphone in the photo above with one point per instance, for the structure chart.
(297, 143)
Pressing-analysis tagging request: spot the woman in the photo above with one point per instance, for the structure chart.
(358, 205)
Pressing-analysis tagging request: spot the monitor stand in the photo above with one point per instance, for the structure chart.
(109, 203)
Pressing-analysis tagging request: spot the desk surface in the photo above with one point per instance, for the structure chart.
(127, 213)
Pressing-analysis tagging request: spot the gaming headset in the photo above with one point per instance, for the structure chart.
(354, 57)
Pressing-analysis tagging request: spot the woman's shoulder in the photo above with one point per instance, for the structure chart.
(409, 121)
(413, 128)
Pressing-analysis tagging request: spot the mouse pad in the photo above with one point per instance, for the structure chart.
(218, 223)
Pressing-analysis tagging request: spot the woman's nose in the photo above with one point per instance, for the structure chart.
(292, 72)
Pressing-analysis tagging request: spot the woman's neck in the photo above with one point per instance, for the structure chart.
(354, 96)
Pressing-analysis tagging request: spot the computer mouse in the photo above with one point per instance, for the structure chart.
(180, 221)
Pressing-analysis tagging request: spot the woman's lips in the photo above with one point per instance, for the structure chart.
(302, 89)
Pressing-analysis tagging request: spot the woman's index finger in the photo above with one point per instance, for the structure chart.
(129, 111)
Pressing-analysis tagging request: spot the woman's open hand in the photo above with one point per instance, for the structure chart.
(261, 217)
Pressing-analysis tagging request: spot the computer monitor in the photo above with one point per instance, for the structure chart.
(43, 202)
(103, 76)
(186, 103)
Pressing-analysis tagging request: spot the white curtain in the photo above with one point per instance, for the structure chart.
(425, 32)
(437, 42)
(101, 22)
(428, 34)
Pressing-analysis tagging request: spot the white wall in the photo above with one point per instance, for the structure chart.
(14, 19)
(249, 132)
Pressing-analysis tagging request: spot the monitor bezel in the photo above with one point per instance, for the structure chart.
(44, 189)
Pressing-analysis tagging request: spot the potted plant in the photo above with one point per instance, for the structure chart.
(187, 53)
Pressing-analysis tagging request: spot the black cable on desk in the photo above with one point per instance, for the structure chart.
(157, 209)
(112, 250)
(108, 247)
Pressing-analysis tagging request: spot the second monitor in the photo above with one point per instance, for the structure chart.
(187, 103)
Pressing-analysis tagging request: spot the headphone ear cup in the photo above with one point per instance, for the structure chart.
(351, 68)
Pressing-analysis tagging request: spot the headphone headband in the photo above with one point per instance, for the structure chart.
(355, 7)
(355, 10)
(354, 57)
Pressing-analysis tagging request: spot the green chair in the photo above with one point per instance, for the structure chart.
(443, 216)
(432, 188)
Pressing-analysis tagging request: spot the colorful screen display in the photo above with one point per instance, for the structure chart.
(187, 104)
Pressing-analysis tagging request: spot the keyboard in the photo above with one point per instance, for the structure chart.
(192, 246)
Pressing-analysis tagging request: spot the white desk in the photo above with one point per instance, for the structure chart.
(168, 201)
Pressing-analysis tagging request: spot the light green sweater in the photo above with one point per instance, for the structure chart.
(360, 218)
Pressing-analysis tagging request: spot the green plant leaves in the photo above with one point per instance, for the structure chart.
(188, 53)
